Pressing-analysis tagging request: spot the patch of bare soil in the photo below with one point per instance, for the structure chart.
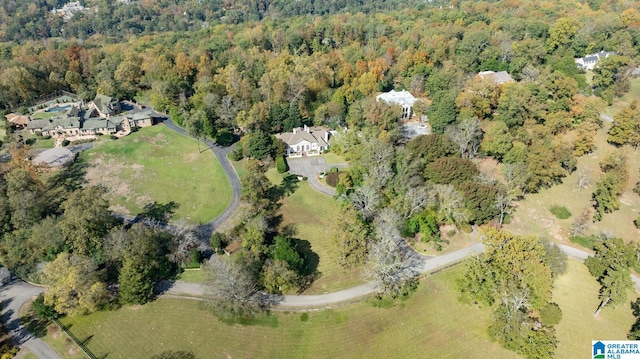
(107, 172)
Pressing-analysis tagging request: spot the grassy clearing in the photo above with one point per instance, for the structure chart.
(619, 103)
(429, 323)
(577, 295)
(532, 215)
(157, 164)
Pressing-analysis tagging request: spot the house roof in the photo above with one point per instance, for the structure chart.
(18, 119)
(98, 123)
(64, 122)
(141, 115)
(310, 134)
(498, 78)
(103, 103)
(402, 98)
(37, 124)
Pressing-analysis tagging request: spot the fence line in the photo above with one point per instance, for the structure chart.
(83, 347)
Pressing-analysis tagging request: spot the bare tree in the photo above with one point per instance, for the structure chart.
(415, 200)
(467, 136)
(451, 204)
(233, 290)
(184, 240)
(516, 176)
(366, 200)
(385, 265)
(504, 204)
(584, 179)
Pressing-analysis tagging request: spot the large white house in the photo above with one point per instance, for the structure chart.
(589, 62)
(403, 98)
(307, 141)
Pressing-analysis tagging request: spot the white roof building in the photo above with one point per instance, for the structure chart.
(403, 98)
(589, 62)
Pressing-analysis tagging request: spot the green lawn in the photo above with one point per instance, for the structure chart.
(431, 323)
(43, 115)
(577, 294)
(194, 275)
(157, 164)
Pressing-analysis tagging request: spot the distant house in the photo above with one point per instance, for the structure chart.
(498, 78)
(589, 62)
(18, 120)
(402, 98)
(307, 141)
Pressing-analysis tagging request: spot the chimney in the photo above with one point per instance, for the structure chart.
(326, 136)
(306, 128)
(295, 130)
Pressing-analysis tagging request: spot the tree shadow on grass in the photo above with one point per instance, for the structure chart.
(175, 354)
(311, 262)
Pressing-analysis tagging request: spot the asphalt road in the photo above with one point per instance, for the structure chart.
(13, 294)
(310, 167)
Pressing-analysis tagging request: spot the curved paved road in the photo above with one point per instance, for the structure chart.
(420, 264)
(14, 293)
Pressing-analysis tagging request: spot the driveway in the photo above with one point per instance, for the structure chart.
(310, 167)
(14, 293)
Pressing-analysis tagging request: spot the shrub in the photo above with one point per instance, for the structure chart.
(218, 241)
(550, 314)
(195, 258)
(224, 138)
(41, 310)
(636, 189)
(304, 317)
(333, 178)
(561, 212)
(281, 164)
(237, 154)
(65, 143)
(113, 137)
(637, 222)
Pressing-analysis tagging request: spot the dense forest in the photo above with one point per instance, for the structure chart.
(257, 68)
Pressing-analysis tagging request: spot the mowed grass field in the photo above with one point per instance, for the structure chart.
(430, 323)
(158, 165)
(577, 294)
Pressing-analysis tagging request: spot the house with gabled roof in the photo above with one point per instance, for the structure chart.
(305, 141)
(104, 106)
(589, 62)
(18, 120)
(402, 98)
